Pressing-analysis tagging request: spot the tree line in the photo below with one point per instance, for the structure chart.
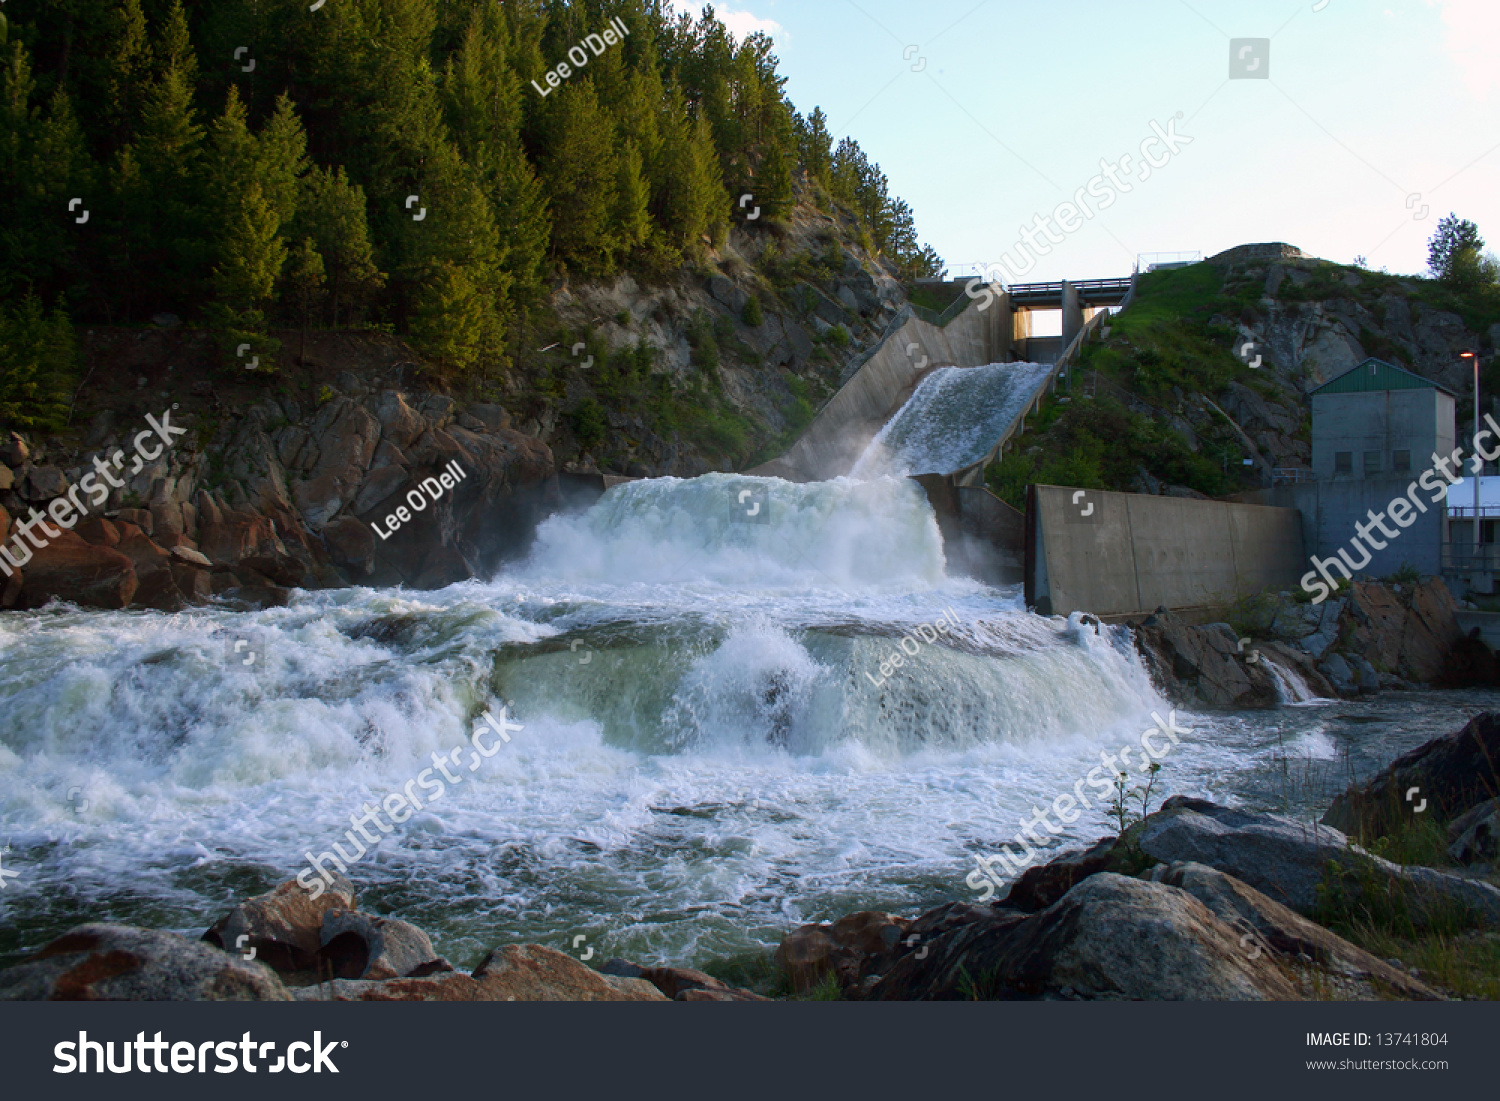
(253, 163)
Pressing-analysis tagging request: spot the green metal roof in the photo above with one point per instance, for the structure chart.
(1374, 375)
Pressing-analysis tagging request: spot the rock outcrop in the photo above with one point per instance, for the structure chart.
(1442, 778)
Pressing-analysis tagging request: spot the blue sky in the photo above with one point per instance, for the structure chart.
(1373, 114)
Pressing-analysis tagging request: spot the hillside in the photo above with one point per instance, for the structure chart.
(1164, 401)
(397, 190)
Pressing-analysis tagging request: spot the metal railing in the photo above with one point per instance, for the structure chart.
(1466, 512)
(1462, 557)
(1292, 475)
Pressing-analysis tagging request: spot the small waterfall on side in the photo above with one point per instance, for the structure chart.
(1290, 686)
(952, 420)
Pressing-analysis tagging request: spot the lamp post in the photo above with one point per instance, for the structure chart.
(1476, 462)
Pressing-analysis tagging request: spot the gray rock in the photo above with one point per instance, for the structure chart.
(1110, 937)
(1288, 860)
(1367, 679)
(123, 963)
(43, 483)
(1476, 834)
(363, 946)
(1327, 623)
(1337, 670)
(1268, 926)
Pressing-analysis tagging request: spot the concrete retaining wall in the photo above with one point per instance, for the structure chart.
(1127, 553)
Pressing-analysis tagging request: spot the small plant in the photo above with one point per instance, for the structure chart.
(1406, 575)
(838, 336)
(1120, 809)
(753, 316)
(623, 318)
(325, 394)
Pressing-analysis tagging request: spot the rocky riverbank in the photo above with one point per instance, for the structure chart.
(1374, 635)
(1197, 901)
(284, 496)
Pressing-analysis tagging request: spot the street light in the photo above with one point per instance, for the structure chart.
(1476, 468)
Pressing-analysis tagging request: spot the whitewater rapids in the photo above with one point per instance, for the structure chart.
(704, 762)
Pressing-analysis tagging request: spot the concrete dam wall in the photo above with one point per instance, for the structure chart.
(1127, 553)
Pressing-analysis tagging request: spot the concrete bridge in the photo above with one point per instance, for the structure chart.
(992, 326)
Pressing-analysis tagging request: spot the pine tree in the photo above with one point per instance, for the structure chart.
(331, 212)
(306, 285)
(250, 259)
(580, 170)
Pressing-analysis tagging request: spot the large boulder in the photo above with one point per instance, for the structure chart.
(69, 569)
(158, 587)
(515, 973)
(1110, 937)
(1408, 632)
(1270, 927)
(850, 948)
(1305, 866)
(283, 927)
(122, 963)
(1444, 778)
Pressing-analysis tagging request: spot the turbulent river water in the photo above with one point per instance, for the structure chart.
(709, 752)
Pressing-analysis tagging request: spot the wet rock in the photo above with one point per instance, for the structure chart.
(1453, 774)
(1274, 928)
(1340, 675)
(236, 536)
(284, 926)
(1471, 664)
(363, 946)
(158, 588)
(850, 948)
(122, 963)
(1110, 937)
(67, 568)
(1201, 664)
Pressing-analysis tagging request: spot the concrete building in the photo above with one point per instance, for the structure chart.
(1375, 429)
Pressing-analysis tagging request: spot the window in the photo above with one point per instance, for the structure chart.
(1372, 463)
(1343, 462)
(1401, 461)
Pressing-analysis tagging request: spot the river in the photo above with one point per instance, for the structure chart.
(709, 751)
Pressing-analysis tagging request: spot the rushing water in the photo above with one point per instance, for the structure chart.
(710, 751)
(953, 419)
